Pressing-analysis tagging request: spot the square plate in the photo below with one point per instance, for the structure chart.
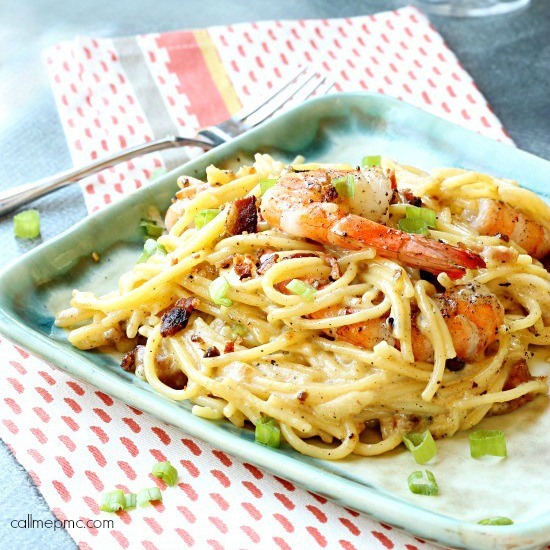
(336, 128)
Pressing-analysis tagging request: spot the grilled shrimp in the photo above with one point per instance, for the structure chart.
(499, 218)
(472, 314)
(306, 204)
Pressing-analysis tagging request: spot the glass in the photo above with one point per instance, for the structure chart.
(470, 8)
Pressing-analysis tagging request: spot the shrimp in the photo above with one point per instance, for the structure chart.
(472, 314)
(306, 204)
(499, 218)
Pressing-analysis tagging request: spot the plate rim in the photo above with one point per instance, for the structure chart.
(371, 501)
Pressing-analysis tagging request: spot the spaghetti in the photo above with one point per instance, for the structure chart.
(290, 293)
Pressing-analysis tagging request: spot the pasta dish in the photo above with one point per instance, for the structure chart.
(348, 305)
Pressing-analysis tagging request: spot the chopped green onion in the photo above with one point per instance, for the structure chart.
(345, 187)
(487, 442)
(413, 225)
(497, 520)
(423, 483)
(113, 501)
(421, 445)
(267, 432)
(238, 329)
(266, 184)
(205, 216)
(218, 292)
(150, 228)
(371, 160)
(26, 224)
(166, 472)
(422, 213)
(305, 290)
(147, 495)
(150, 248)
(130, 500)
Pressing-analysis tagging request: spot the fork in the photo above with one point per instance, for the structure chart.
(297, 87)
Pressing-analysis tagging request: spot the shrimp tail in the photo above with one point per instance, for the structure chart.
(414, 250)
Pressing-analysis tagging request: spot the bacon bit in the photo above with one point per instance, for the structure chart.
(335, 272)
(226, 262)
(392, 178)
(211, 352)
(129, 361)
(197, 339)
(266, 262)
(519, 374)
(244, 266)
(242, 216)
(329, 193)
(405, 196)
(177, 318)
(302, 396)
(174, 260)
(229, 347)
(170, 374)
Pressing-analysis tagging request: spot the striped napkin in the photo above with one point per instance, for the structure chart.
(77, 442)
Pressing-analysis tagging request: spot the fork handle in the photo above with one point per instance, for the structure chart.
(17, 196)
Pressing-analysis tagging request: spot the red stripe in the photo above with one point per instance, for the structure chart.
(185, 59)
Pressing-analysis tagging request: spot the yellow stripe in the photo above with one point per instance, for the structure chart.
(217, 70)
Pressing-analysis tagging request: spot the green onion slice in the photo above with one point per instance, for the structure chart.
(150, 248)
(150, 228)
(421, 445)
(267, 183)
(205, 216)
(166, 472)
(305, 290)
(218, 292)
(421, 213)
(147, 495)
(26, 224)
(238, 329)
(113, 501)
(371, 160)
(497, 520)
(423, 483)
(130, 500)
(487, 442)
(267, 432)
(413, 225)
(345, 186)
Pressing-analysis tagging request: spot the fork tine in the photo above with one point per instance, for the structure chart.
(321, 85)
(251, 109)
(325, 87)
(278, 101)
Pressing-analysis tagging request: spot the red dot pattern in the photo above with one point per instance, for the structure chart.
(78, 441)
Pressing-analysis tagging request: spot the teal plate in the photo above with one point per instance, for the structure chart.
(336, 128)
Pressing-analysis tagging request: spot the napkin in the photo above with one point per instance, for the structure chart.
(77, 442)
